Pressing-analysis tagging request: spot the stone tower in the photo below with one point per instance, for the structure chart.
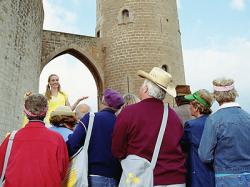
(138, 35)
(20, 53)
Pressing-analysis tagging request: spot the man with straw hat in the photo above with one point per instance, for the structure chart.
(225, 139)
(137, 128)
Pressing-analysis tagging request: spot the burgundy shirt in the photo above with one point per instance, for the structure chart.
(136, 131)
(38, 157)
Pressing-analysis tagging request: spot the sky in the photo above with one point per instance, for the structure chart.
(215, 39)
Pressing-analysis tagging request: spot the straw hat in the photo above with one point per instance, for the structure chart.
(62, 110)
(161, 78)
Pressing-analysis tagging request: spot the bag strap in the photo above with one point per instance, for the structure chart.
(90, 126)
(160, 136)
(7, 154)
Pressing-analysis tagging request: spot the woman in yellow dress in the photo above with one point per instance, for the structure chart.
(56, 97)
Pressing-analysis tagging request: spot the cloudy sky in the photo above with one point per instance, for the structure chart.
(215, 42)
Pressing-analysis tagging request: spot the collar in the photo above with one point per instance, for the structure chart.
(35, 123)
(229, 104)
(151, 99)
(109, 110)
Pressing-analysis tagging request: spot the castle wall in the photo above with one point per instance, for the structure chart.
(20, 53)
(131, 35)
(149, 36)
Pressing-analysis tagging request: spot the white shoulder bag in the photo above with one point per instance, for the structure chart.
(77, 175)
(138, 171)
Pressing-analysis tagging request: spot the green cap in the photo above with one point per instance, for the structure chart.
(196, 96)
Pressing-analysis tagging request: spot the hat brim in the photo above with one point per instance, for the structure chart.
(189, 97)
(62, 113)
(180, 94)
(170, 89)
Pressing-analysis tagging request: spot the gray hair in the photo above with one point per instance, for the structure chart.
(154, 90)
(36, 104)
(226, 96)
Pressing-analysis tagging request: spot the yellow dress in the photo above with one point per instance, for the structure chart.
(53, 103)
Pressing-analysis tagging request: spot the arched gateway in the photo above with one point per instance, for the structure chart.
(84, 48)
(130, 35)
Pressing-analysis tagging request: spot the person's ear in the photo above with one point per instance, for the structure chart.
(145, 89)
(196, 109)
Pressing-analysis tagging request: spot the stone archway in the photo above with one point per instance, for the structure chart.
(84, 58)
(84, 48)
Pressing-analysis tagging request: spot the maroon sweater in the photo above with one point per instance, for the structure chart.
(136, 131)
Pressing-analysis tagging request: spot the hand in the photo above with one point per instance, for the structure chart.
(27, 94)
(7, 134)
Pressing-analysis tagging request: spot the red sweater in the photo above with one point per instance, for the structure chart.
(136, 131)
(38, 158)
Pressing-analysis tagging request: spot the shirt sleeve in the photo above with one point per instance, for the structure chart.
(119, 137)
(63, 158)
(208, 141)
(76, 139)
(3, 148)
(64, 95)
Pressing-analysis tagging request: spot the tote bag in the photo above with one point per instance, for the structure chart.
(137, 172)
(77, 175)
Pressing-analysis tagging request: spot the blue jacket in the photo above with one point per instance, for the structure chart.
(199, 174)
(65, 132)
(101, 160)
(225, 141)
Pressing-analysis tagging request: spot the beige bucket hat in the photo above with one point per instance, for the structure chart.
(161, 78)
(62, 111)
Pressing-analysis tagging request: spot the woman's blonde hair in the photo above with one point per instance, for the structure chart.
(205, 95)
(224, 96)
(130, 99)
(48, 91)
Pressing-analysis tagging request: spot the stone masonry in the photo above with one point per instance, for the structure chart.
(139, 35)
(20, 53)
(130, 35)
